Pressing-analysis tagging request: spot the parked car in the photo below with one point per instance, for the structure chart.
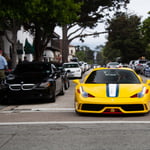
(139, 65)
(32, 80)
(73, 69)
(64, 75)
(114, 65)
(146, 69)
(112, 91)
(131, 64)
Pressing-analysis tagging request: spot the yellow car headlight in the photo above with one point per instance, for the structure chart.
(84, 94)
(140, 94)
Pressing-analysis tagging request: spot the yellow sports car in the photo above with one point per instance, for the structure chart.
(112, 91)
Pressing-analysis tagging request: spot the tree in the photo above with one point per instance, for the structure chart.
(85, 54)
(124, 38)
(146, 35)
(146, 30)
(43, 16)
(92, 12)
(39, 17)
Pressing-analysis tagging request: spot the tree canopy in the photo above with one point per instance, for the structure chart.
(124, 38)
(39, 17)
(91, 14)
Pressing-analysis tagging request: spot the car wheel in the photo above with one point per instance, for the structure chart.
(53, 99)
(62, 91)
(80, 114)
(67, 85)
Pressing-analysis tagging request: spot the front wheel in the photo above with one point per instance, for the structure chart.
(53, 99)
(62, 90)
(67, 85)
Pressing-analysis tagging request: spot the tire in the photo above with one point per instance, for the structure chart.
(62, 90)
(53, 99)
(67, 85)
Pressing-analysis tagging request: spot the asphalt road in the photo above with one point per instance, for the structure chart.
(55, 126)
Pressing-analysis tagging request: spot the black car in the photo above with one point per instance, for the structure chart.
(33, 80)
(64, 73)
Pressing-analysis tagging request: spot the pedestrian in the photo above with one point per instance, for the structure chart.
(3, 66)
(25, 59)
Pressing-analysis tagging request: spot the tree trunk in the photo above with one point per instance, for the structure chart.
(38, 51)
(14, 55)
(65, 45)
(13, 41)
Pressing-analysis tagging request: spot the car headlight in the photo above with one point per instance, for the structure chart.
(83, 93)
(10, 77)
(45, 84)
(78, 70)
(140, 94)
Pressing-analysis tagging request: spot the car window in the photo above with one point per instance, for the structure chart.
(70, 66)
(148, 64)
(21, 68)
(113, 63)
(113, 76)
(142, 62)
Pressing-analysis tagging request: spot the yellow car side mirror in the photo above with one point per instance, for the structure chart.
(76, 81)
(148, 82)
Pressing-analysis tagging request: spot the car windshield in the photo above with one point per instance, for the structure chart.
(113, 63)
(70, 66)
(117, 76)
(148, 64)
(28, 67)
(142, 61)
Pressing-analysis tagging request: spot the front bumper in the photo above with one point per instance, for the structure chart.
(112, 107)
(25, 94)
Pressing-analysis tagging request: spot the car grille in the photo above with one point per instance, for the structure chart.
(99, 107)
(18, 87)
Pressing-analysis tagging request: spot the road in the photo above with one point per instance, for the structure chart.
(55, 126)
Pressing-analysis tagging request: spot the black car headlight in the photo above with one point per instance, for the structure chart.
(10, 77)
(45, 84)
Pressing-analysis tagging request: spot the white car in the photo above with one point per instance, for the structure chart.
(73, 69)
(114, 65)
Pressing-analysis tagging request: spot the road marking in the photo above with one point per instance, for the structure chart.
(53, 109)
(74, 122)
(39, 110)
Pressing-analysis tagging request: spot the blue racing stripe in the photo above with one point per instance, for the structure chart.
(112, 90)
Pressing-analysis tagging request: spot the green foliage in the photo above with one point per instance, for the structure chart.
(145, 28)
(85, 54)
(124, 38)
(93, 11)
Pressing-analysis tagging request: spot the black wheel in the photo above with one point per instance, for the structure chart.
(53, 99)
(62, 91)
(67, 85)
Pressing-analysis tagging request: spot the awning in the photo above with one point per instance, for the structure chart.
(28, 48)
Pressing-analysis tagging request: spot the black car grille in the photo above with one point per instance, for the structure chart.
(18, 87)
(99, 107)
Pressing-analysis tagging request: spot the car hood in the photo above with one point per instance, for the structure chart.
(112, 90)
(30, 77)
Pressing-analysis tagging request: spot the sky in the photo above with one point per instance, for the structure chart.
(138, 7)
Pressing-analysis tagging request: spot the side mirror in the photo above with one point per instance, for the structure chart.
(68, 71)
(76, 81)
(148, 82)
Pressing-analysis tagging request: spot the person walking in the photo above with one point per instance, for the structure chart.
(3, 66)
